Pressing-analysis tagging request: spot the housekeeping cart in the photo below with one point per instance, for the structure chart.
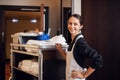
(27, 62)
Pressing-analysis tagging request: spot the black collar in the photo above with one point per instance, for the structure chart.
(71, 44)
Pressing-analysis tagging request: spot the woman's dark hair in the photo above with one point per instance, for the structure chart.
(78, 17)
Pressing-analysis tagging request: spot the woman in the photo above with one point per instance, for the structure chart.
(78, 51)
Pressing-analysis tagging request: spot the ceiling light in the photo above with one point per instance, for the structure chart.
(33, 21)
(14, 20)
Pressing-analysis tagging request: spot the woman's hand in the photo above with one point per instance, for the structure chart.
(77, 74)
(58, 46)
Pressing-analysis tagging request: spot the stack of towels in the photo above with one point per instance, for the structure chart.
(30, 66)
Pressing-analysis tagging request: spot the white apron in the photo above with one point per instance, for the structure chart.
(71, 64)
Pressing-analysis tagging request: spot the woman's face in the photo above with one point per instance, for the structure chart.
(74, 25)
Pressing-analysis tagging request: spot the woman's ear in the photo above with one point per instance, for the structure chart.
(81, 26)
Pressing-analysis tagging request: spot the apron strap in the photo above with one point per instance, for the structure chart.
(80, 36)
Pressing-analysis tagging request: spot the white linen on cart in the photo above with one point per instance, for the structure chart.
(29, 66)
(17, 37)
(45, 43)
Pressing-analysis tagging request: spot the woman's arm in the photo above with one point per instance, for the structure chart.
(88, 52)
(88, 72)
(84, 74)
(62, 52)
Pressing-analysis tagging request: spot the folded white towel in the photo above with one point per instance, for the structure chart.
(29, 66)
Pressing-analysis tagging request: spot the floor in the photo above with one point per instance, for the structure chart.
(7, 70)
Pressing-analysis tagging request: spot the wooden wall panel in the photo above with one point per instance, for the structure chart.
(102, 31)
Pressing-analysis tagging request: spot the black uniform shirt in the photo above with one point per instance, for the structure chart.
(82, 51)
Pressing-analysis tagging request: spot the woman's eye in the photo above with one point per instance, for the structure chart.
(70, 23)
(75, 24)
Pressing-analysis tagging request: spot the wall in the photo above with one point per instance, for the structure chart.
(66, 3)
(76, 7)
(21, 2)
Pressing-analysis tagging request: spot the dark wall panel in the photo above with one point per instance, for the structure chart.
(2, 49)
(102, 31)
